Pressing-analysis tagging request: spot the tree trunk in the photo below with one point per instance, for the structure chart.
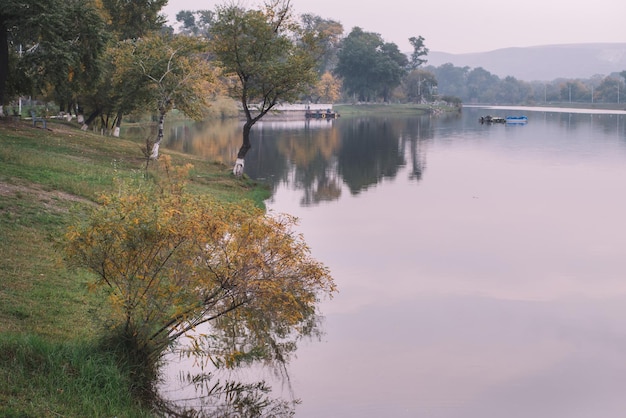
(4, 63)
(245, 147)
(90, 119)
(157, 143)
(118, 123)
(78, 111)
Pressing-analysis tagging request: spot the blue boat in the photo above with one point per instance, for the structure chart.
(516, 119)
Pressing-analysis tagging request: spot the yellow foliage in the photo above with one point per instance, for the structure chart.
(328, 89)
(170, 260)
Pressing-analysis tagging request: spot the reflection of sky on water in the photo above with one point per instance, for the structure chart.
(467, 356)
(472, 227)
(493, 287)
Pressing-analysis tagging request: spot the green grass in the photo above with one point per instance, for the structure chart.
(40, 378)
(51, 361)
(37, 295)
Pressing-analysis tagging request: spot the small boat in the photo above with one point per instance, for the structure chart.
(516, 119)
(491, 119)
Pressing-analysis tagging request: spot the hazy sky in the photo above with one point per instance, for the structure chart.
(460, 26)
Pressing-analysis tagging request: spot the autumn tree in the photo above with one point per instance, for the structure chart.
(168, 261)
(327, 89)
(330, 41)
(125, 20)
(270, 58)
(165, 72)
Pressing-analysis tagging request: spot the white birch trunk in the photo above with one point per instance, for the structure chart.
(155, 147)
(155, 151)
(238, 168)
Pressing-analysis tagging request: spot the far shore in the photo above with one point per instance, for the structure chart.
(613, 108)
(344, 109)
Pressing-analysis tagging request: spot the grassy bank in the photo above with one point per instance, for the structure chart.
(51, 362)
(76, 378)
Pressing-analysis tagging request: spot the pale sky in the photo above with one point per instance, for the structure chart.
(461, 26)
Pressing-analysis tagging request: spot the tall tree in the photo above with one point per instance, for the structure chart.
(481, 86)
(125, 20)
(391, 68)
(76, 73)
(452, 81)
(333, 31)
(61, 42)
(132, 19)
(611, 90)
(268, 55)
(369, 67)
(14, 20)
(167, 72)
(356, 61)
(419, 51)
(195, 22)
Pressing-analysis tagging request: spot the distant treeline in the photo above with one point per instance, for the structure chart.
(477, 85)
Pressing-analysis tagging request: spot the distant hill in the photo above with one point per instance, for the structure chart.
(542, 63)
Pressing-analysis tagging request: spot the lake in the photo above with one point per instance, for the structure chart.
(481, 268)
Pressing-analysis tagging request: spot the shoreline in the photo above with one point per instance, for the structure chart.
(615, 108)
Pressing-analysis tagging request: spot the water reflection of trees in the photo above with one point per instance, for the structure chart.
(356, 152)
(607, 123)
(370, 152)
(318, 157)
(312, 162)
(212, 139)
(610, 124)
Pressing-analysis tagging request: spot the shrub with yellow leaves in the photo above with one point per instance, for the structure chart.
(169, 260)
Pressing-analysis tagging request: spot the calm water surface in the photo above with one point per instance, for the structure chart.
(481, 269)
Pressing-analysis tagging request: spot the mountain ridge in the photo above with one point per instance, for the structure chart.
(542, 62)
